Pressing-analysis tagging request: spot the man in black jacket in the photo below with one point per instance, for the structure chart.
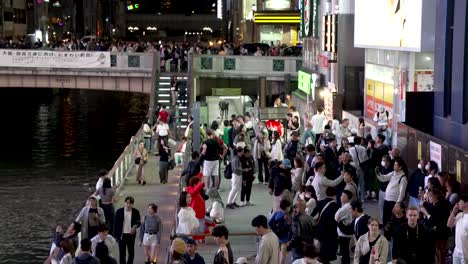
(412, 242)
(280, 180)
(193, 168)
(326, 228)
(127, 220)
(302, 230)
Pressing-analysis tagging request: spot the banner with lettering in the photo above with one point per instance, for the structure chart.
(54, 59)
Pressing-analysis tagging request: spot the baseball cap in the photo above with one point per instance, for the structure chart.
(287, 163)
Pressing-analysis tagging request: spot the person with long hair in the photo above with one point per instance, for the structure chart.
(68, 251)
(188, 222)
(164, 153)
(453, 191)
(372, 247)
(141, 157)
(107, 194)
(436, 212)
(276, 147)
(195, 190)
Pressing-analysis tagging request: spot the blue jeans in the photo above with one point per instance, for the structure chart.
(148, 143)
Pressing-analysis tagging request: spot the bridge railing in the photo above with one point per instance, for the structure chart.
(246, 65)
(132, 60)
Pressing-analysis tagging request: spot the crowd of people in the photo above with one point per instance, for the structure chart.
(319, 173)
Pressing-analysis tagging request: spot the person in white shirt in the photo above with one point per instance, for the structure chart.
(396, 189)
(268, 251)
(382, 117)
(102, 174)
(317, 122)
(321, 183)
(276, 148)
(217, 206)
(359, 156)
(459, 220)
(103, 235)
(311, 254)
(344, 218)
(188, 222)
(162, 130)
(343, 131)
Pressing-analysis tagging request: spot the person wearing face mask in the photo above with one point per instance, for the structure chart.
(396, 189)
(416, 183)
(385, 168)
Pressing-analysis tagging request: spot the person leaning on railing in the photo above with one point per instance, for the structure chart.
(71, 234)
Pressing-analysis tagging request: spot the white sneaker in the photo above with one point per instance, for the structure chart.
(242, 204)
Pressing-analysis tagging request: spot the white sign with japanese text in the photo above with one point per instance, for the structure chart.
(54, 59)
(435, 151)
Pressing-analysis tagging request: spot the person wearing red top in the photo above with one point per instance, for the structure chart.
(163, 114)
(198, 203)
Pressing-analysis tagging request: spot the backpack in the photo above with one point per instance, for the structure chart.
(279, 228)
(228, 171)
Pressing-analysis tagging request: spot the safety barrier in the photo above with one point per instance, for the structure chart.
(121, 167)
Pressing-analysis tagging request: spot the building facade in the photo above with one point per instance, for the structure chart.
(451, 75)
(13, 19)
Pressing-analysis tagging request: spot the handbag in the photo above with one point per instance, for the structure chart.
(137, 160)
(204, 195)
(171, 164)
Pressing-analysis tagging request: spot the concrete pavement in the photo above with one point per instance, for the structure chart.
(243, 238)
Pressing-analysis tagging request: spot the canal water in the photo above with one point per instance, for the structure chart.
(53, 143)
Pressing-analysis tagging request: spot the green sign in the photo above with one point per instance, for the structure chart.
(304, 82)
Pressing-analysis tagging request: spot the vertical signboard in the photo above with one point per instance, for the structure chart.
(304, 82)
(436, 153)
(309, 18)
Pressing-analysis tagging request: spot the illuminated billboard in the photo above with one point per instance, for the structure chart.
(407, 25)
(277, 4)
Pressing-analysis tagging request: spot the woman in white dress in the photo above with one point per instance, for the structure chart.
(68, 251)
(188, 222)
(276, 147)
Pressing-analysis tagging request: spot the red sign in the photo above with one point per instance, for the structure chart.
(322, 61)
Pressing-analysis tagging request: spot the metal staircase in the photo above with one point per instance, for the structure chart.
(163, 95)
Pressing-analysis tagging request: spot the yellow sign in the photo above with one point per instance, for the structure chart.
(419, 150)
(458, 171)
(277, 17)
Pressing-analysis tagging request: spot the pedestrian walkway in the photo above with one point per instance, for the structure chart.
(243, 239)
(165, 196)
(238, 221)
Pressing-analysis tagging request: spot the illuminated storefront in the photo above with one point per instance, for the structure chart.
(277, 26)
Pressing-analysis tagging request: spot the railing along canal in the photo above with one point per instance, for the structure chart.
(121, 167)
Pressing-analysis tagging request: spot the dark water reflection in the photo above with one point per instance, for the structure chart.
(53, 145)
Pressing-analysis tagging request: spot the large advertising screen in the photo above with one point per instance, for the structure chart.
(407, 25)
